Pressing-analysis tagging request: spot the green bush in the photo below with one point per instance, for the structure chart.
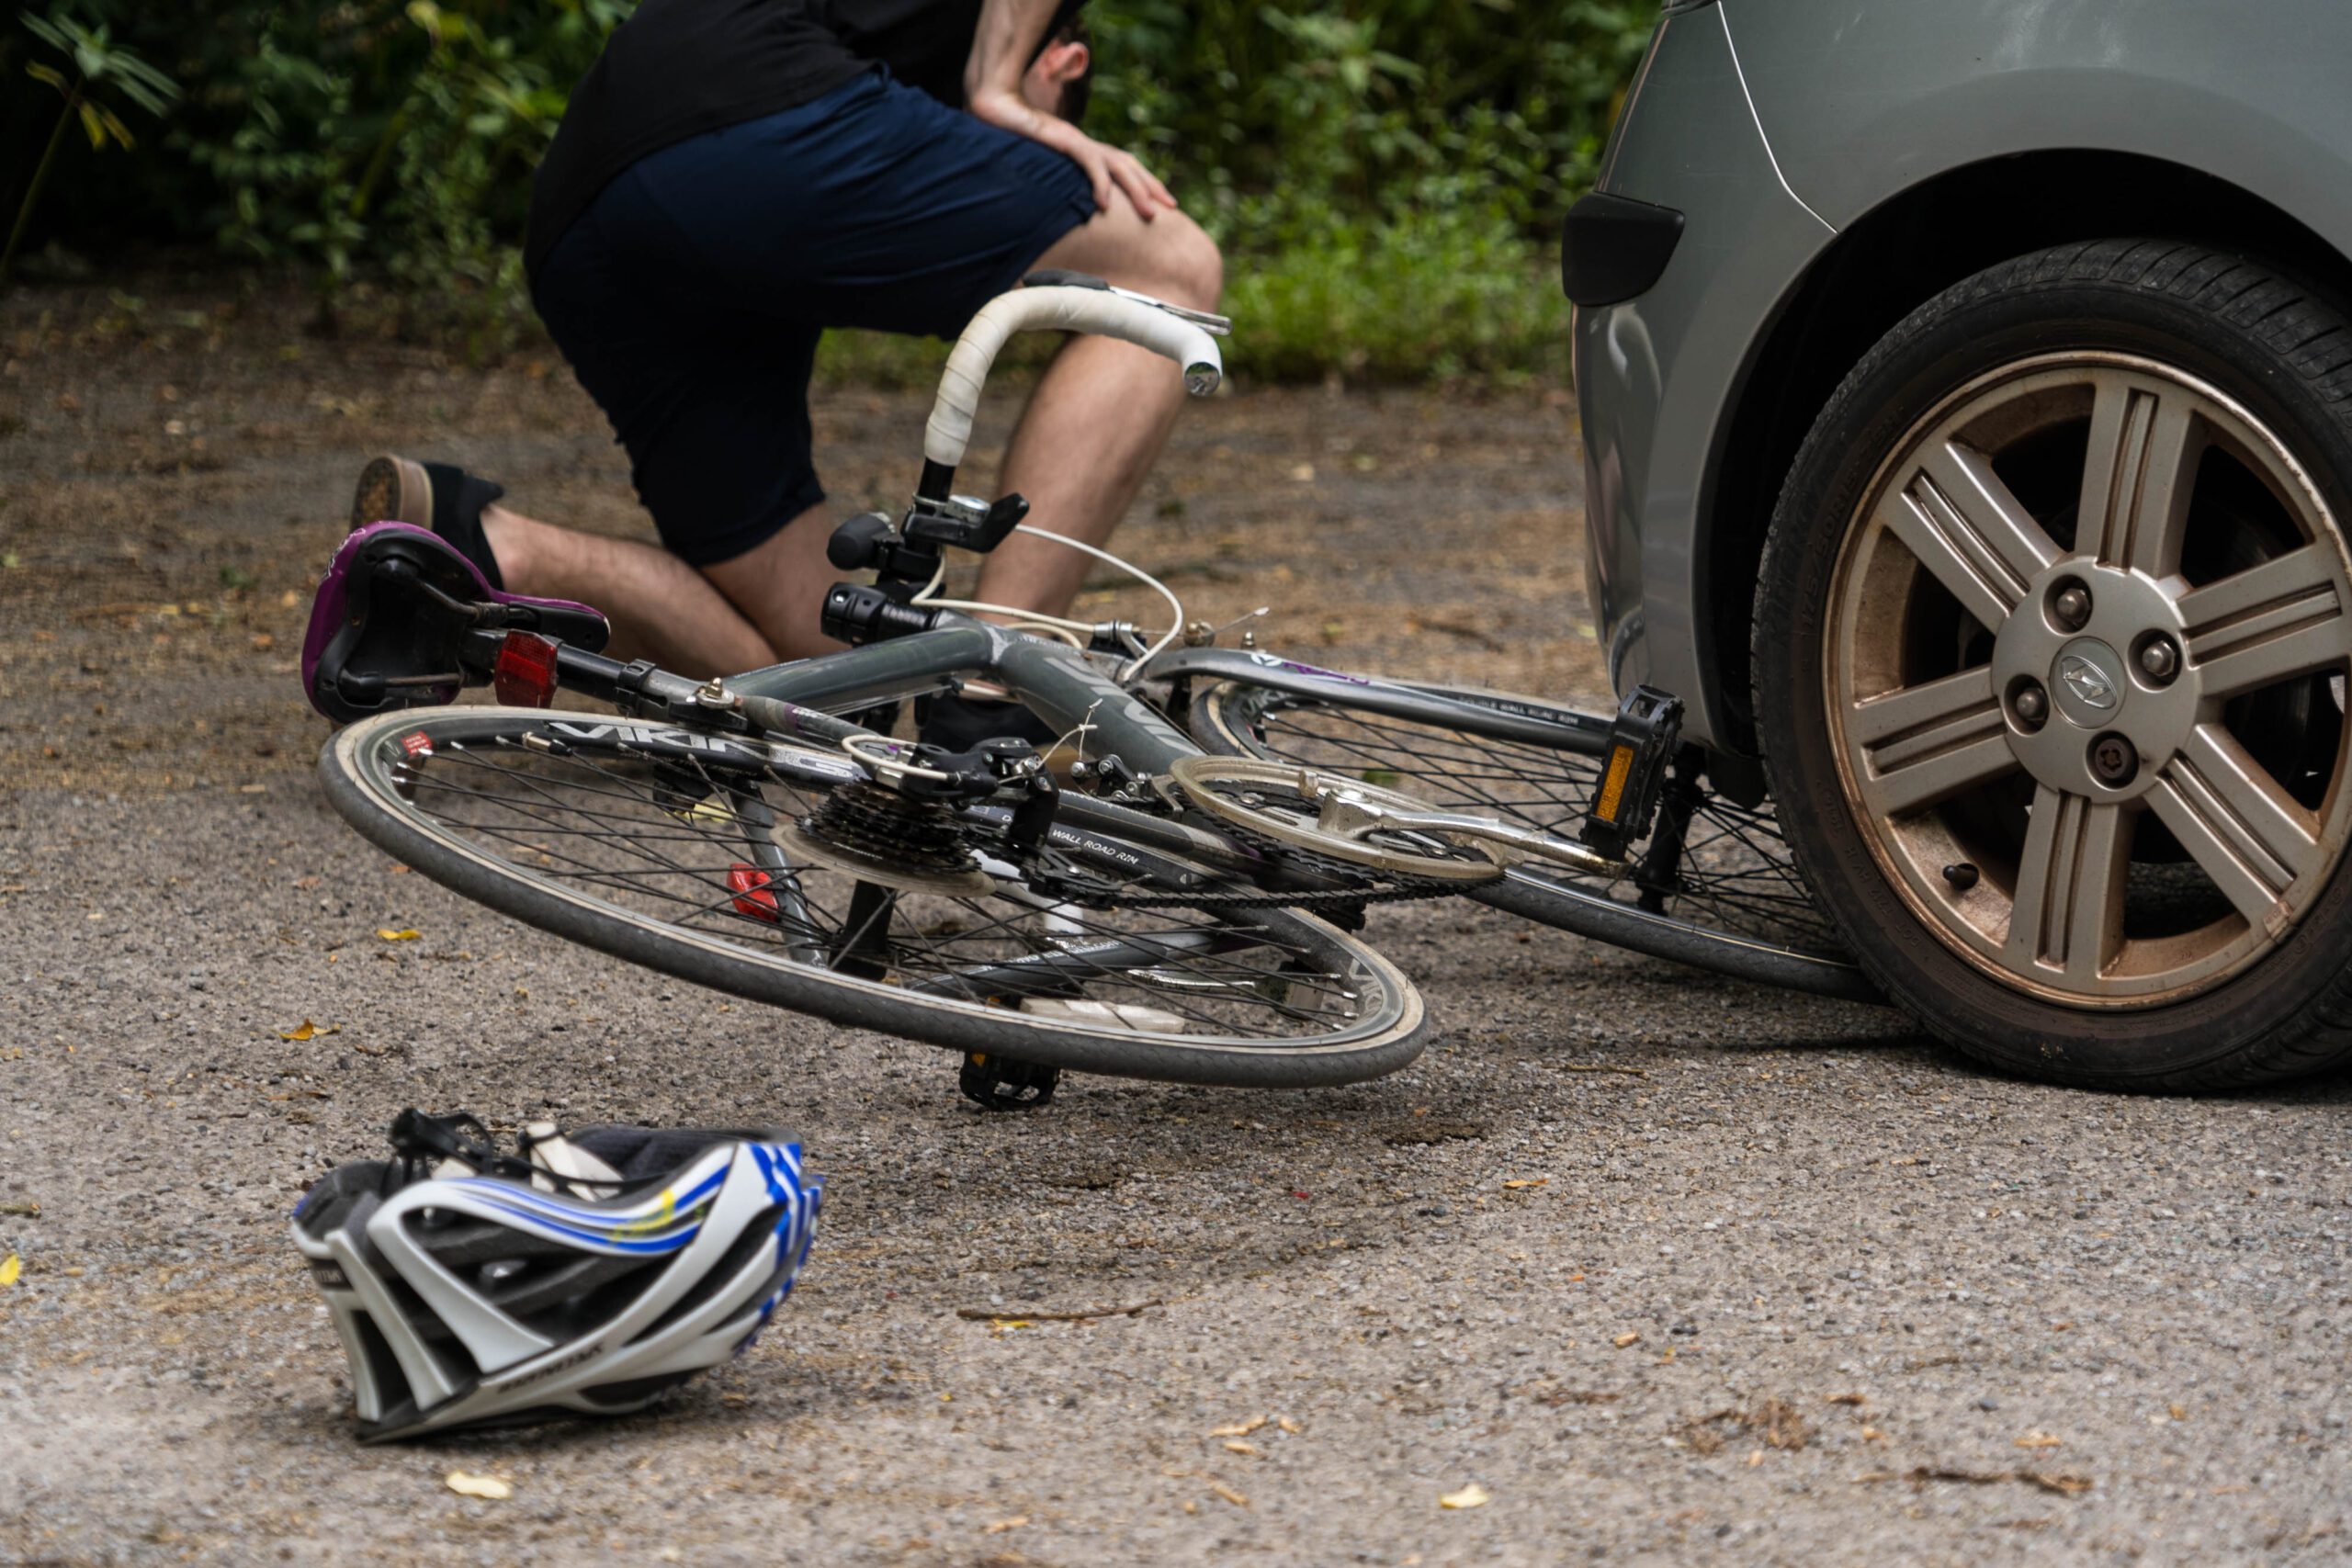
(1385, 174)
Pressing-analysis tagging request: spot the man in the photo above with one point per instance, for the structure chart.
(734, 176)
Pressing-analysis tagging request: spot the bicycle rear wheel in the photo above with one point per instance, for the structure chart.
(779, 872)
(1732, 901)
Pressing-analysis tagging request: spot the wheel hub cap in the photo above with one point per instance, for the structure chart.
(2095, 689)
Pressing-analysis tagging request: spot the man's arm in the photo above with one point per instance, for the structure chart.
(1007, 35)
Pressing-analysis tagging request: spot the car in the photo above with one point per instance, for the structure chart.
(1966, 393)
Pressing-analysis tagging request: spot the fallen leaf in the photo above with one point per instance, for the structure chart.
(1228, 1494)
(1846, 1399)
(1236, 1446)
(406, 933)
(1239, 1428)
(1002, 1525)
(1628, 1338)
(306, 1030)
(1287, 1424)
(10, 1266)
(2038, 1441)
(1470, 1496)
(23, 1206)
(1516, 1184)
(1303, 474)
(466, 1484)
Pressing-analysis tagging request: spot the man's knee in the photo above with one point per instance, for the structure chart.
(1171, 257)
(1195, 272)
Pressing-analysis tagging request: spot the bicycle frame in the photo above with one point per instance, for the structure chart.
(1056, 683)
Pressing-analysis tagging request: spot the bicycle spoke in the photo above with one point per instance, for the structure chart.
(674, 838)
(1733, 874)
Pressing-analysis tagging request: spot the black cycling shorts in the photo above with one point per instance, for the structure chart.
(690, 294)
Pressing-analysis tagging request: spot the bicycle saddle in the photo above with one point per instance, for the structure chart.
(391, 618)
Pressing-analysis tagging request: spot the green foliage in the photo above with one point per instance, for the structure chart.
(1385, 174)
(1384, 177)
(101, 69)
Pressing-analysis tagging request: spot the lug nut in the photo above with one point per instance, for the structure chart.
(2160, 659)
(2073, 607)
(2114, 760)
(2033, 705)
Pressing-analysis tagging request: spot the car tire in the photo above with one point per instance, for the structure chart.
(1960, 651)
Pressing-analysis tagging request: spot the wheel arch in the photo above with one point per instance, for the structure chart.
(1884, 265)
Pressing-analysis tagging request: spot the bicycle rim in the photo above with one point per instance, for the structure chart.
(672, 848)
(1734, 903)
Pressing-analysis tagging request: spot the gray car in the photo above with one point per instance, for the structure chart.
(1967, 396)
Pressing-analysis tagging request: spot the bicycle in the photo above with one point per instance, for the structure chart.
(1170, 905)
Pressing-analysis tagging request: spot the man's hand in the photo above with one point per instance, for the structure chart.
(1003, 45)
(1107, 168)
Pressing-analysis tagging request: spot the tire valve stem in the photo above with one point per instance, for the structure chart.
(1961, 874)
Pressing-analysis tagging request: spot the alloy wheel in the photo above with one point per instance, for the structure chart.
(2085, 679)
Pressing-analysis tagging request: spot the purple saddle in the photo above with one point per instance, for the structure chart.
(393, 622)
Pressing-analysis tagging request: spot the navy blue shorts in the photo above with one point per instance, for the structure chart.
(690, 294)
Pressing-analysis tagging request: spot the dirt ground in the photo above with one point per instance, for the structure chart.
(1662, 1266)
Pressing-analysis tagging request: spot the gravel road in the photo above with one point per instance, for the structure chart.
(1664, 1267)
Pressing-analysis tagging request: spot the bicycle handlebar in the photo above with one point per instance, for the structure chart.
(1057, 309)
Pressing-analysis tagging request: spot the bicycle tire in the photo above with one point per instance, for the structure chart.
(750, 957)
(1504, 767)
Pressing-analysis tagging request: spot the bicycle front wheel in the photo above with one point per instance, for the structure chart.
(781, 873)
(1730, 901)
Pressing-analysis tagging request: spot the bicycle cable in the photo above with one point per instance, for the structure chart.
(1058, 624)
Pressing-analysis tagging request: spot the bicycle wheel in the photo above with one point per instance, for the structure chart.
(781, 874)
(1730, 901)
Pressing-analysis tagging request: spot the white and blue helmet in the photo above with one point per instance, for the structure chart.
(590, 1273)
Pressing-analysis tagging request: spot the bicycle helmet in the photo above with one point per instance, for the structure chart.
(591, 1272)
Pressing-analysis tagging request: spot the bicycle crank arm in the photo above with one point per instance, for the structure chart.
(1348, 815)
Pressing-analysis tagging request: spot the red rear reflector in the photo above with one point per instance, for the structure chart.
(417, 745)
(524, 673)
(753, 900)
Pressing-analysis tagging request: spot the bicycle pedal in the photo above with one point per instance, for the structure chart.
(999, 1083)
(1641, 741)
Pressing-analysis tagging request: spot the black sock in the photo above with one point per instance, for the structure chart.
(457, 500)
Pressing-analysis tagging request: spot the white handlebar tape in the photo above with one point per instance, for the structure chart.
(1057, 308)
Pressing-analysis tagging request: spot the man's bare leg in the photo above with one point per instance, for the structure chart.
(1096, 422)
(661, 608)
(779, 584)
(1103, 410)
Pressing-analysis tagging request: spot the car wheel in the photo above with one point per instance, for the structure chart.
(2051, 642)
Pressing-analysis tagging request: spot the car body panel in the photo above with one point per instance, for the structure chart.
(1771, 127)
(2255, 96)
(1661, 356)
